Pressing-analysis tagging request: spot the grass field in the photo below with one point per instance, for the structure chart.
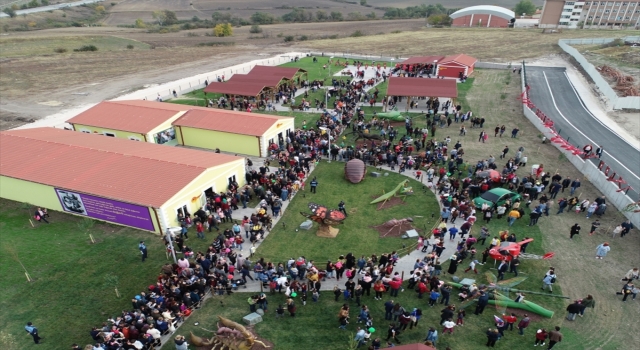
(25, 47)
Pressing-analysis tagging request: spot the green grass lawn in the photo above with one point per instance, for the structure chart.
(356, 234)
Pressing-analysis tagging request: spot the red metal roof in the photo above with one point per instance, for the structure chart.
(134, 172)
(286, 72)
(271, 81)
(240, 88)
(422, 59)
(422, 87)
(121, 115)
(235, 122)
(460, 59)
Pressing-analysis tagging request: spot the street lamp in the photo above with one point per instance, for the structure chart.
(326, 96)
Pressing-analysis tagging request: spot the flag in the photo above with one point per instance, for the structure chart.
(497, 319)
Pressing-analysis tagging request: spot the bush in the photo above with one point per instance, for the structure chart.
(255, 29)
(288, 38)
(356, 34)
(215, 43)
(130, 47)
(60, 50)
(303, 38)
(86, 48)
(223, 29)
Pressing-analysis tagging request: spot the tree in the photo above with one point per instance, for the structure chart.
(140, 23)
(525, 6)
(159, 16)
(33, 3)
(363, 2)
(11, 12)
(336, 16)
(223, 29)
(321, 16)
(439, 20)
(44, 2)
(170, 17)
(262, 18)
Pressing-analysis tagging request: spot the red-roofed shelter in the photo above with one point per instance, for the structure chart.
(452, 66)
(135, 184)
(422, 87)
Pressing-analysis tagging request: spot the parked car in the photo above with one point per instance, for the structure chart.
(496, 197)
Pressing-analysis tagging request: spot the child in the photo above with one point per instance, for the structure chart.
(369, 322)
(279, 311)
(346, 294)
(461, 314)
(448, 326)
(315, 296)
(304, 297)
(472, 266)
(336, 292)
(433, 297)
(541, 336)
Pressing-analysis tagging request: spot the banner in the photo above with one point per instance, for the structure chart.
(105, 209)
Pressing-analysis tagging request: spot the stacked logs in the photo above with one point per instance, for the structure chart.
(625, 84)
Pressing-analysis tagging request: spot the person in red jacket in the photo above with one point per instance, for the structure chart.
(379, 288)
(541, 337)
(395, 285)
(510, 320)
(422, 288)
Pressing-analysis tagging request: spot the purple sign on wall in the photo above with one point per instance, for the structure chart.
(105, 209)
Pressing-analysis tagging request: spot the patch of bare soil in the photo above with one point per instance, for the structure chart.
(394, 230)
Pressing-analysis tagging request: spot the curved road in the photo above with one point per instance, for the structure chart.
(552, 92)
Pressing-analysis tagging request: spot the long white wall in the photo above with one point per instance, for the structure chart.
(615, 102)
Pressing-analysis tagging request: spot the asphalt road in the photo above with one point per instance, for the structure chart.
(50, 7)
(552, 92)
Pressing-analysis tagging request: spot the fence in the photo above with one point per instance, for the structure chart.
(598, 175)
(616, 102)
(186, 85)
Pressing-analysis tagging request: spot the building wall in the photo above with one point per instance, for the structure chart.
(480, 20)
(44, 196)
(118, 133)
(281, 126)
(227, 142)
(193, 195)
(591, 14)
(551, 13)
(602, 14)
(29, 192)
(162, 127)
(451, 71)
